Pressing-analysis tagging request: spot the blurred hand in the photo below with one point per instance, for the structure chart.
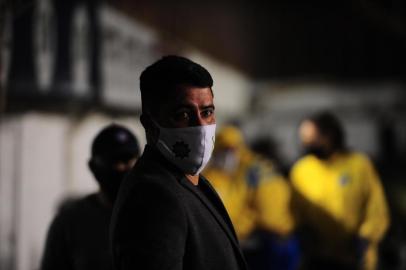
(361, 245)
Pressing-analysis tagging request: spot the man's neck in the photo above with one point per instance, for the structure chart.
(194, 179)
(104, 200)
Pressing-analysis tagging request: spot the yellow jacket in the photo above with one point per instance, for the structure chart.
(254, 195)
(341, 199)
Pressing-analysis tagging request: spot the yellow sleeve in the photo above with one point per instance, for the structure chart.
(376, 219)
(272, 202)
(233, 193)
(298, 202)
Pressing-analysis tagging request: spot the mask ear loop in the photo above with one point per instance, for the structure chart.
(158, 140)
(155, 128)
(204, 152)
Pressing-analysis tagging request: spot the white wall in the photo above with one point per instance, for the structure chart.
(9, 158)
(128, 47)
(32, 169)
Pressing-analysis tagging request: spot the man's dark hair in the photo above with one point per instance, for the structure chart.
(161, 78)
(329, 126)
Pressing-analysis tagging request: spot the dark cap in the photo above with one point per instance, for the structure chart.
(115, 142)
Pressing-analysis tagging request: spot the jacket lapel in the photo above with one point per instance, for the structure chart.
(228, 229)
(218, 203)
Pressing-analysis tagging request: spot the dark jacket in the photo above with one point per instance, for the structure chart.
(162, 221)
(78, 238)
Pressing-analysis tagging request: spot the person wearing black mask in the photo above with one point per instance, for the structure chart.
(78, 237)
(322, 135)
(338, 200)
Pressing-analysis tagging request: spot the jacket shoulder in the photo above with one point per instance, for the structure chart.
(359, 157)
(302, 163)
(148, 181)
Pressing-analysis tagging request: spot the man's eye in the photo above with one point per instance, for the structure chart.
(207, 113)
(182, 116)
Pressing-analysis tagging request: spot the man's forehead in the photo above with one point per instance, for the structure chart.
(190, 95)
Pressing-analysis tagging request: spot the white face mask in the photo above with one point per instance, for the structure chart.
(189, 148)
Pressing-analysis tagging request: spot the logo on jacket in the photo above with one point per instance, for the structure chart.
(181, 150)
(344, 180)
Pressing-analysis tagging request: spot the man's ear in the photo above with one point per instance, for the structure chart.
(151, 130)
(91, 165)
(144, 121)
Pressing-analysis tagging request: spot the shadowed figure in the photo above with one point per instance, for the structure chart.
(78, 237)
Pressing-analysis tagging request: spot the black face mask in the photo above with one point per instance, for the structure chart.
(317, 151)
(109, 180)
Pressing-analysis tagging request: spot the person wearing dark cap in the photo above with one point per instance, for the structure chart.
(167, 215)
(78, 237)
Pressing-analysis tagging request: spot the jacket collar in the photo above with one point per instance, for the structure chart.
(214, 203)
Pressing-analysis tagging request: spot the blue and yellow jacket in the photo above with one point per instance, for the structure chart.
(341, 199)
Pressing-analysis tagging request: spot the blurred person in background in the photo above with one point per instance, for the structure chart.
(257, 198)
(338, 199)
(78, 237)
(267, 147)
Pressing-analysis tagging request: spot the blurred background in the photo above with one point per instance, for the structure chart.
(67, 68)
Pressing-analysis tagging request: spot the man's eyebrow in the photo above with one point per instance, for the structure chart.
(183, 106)
(189, 106)
(210, 106)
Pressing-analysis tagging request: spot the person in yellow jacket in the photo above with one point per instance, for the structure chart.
(338, 199)
(256, 197)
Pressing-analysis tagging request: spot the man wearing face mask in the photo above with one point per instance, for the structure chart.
(338, 199)
(167, 215)
(78, 237)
